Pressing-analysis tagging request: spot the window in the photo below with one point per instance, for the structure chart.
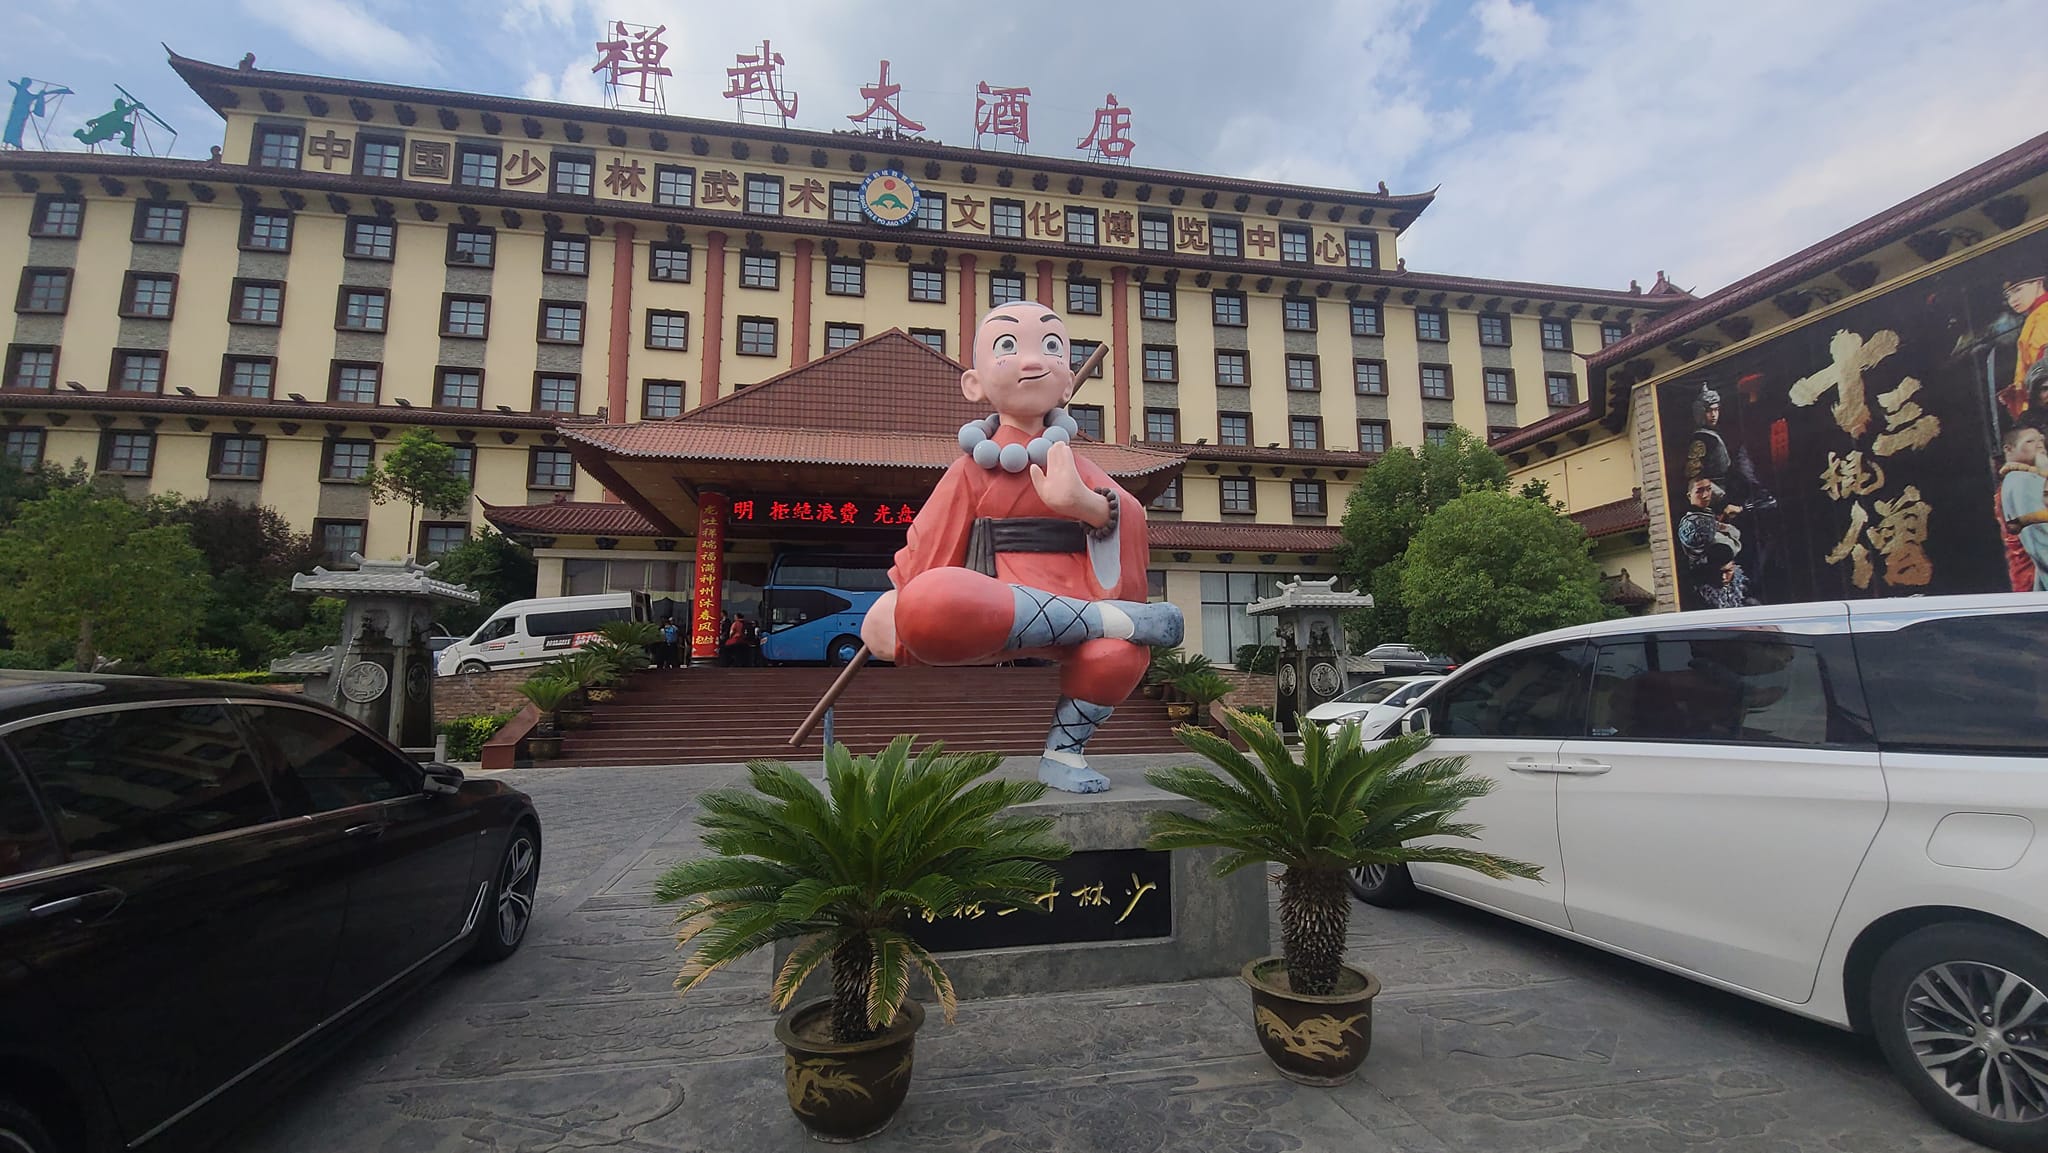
(1162, 425)
(1237, 494)
(670, 262)
(277, 146)
(23, 448)
(473, 247)
(128, 453)
(1294, 243)
(561, 322)
(669, 330)
(157, 223)
(551, 468)
(44, 290)
(1436, 434)
(459, 388)
(1227, 309)
(347, 460)
(27, 844)
(932, 338)
(1087, 419)
(1078, 353)
(760, 270)
(137, 371)
(267, 230)
(1234, 428)
(476, 167)
(1005, 288)
(845, 277)
(1081, 226)
(572, 174)
(253, 376)
(1361, 250)
(355, 383)
(838, 336)
(1233, 367)
(931, 212)
(1369, 377)
(1431, 325)
(1309, 498)
(465, 316)
(258, 302)
(31, 366)
(1155, 302)
(1726, 686)
(1162, 363)
(237, 458)
(1168, 500)
(1993, 676)
(846, 207)
(1304, 374)
(1436, 382)
(1305, 432)
(663, 399)
(1226, 238)
(554, 393)
(1006, 219)
(339, 539)
(363, 309)
(332, 765)
(1561, 389)
(929, 285)
(1226, 627)
(1493, 329)
(371, 239)
(1372, 437)
(675, 187)
(148, 296)
(57, 216)
(1557, 335)
(764, 195)
(1535, 693)
(1084, 297)
(568, 256)
(1365, 319)
(378, 156)
(1499, 385)
(1613, 332)
(438, 540)
(114, 782)
(1155, 232)
(757, 336)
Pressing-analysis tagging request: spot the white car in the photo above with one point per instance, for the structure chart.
(1371, 706)
(1840, 809)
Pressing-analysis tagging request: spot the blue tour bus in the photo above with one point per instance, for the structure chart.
(813, 604)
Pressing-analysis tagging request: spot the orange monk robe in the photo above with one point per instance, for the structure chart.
(2033, 343)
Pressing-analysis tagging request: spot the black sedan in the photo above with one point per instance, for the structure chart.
(202, 887)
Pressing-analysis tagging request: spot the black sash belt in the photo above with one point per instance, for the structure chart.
(992, 535)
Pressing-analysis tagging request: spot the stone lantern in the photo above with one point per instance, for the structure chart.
(1313, 650)
(382, 671)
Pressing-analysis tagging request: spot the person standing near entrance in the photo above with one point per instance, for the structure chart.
(670, 642)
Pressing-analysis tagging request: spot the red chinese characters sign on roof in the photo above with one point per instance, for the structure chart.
(884, 115)
(1001, 112)
(796, 512)
(633, 50)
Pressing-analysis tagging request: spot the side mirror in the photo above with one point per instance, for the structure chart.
(442, 780)
(1415, 721)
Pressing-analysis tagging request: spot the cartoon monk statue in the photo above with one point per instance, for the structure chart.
(1026, 549)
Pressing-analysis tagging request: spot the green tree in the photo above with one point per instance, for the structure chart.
(498, 568)
(85, 568)
(1387, 509)
(420, 471)
(252, 552)
(1492, 567)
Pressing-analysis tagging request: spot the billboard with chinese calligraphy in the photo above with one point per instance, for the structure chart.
(822, 511)
(1099, 895)
(1865, 454)
(705, 609)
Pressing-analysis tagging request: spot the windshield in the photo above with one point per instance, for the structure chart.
(1369, 693)
(1409, 692)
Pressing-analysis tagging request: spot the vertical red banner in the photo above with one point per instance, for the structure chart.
(706, 603)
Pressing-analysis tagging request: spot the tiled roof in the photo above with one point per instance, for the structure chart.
(681, 439)
(1336, 457)
(570, 518)
(1564, 420)
(331, 412)
(1623, 591)
(888, 383)
(1202, 536)
(1624, 515)
(389, 577)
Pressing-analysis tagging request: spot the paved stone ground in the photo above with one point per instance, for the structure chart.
(1490, 1038)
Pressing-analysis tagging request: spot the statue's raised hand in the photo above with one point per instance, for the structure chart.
(1060, 486)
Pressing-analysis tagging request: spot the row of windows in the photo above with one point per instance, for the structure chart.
(1162, 426)
(1238, 494)
(1161, 365)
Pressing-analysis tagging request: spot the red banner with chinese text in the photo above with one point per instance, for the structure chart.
(705, 605)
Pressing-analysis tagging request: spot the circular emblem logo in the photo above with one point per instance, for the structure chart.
(1324, 680)
(416, 682)
(1286, 680)
(363, 682)
(888, 197)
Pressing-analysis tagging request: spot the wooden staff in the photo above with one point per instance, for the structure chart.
(845, 678)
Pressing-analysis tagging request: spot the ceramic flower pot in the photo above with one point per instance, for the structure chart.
(845, 1092)
(1180, 710)
(1313, 1040)
(573, 718)
(544, 748)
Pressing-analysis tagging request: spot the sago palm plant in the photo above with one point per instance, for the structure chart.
(1339, 806)
(843, 871)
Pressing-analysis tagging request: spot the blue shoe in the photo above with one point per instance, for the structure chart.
(1071, 778)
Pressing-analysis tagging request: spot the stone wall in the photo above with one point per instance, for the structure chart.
(466, 694)
(1252, 689)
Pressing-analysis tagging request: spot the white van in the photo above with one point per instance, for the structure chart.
(529, 632)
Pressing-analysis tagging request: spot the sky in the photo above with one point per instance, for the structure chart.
(1582, 142)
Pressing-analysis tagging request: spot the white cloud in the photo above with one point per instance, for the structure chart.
(1509, 33)
(345, 31)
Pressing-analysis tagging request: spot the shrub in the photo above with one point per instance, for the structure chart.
(466, 735)
(24, 659)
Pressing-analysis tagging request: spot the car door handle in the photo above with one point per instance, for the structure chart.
(1582, 768)
(1532, 765)
(92, 900)
(365, 831)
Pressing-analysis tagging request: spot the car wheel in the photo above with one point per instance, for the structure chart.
(21, 1132)
(842, 650)
(508, 908)
(1961, 1012)
(471, 668)
(1388, 886)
